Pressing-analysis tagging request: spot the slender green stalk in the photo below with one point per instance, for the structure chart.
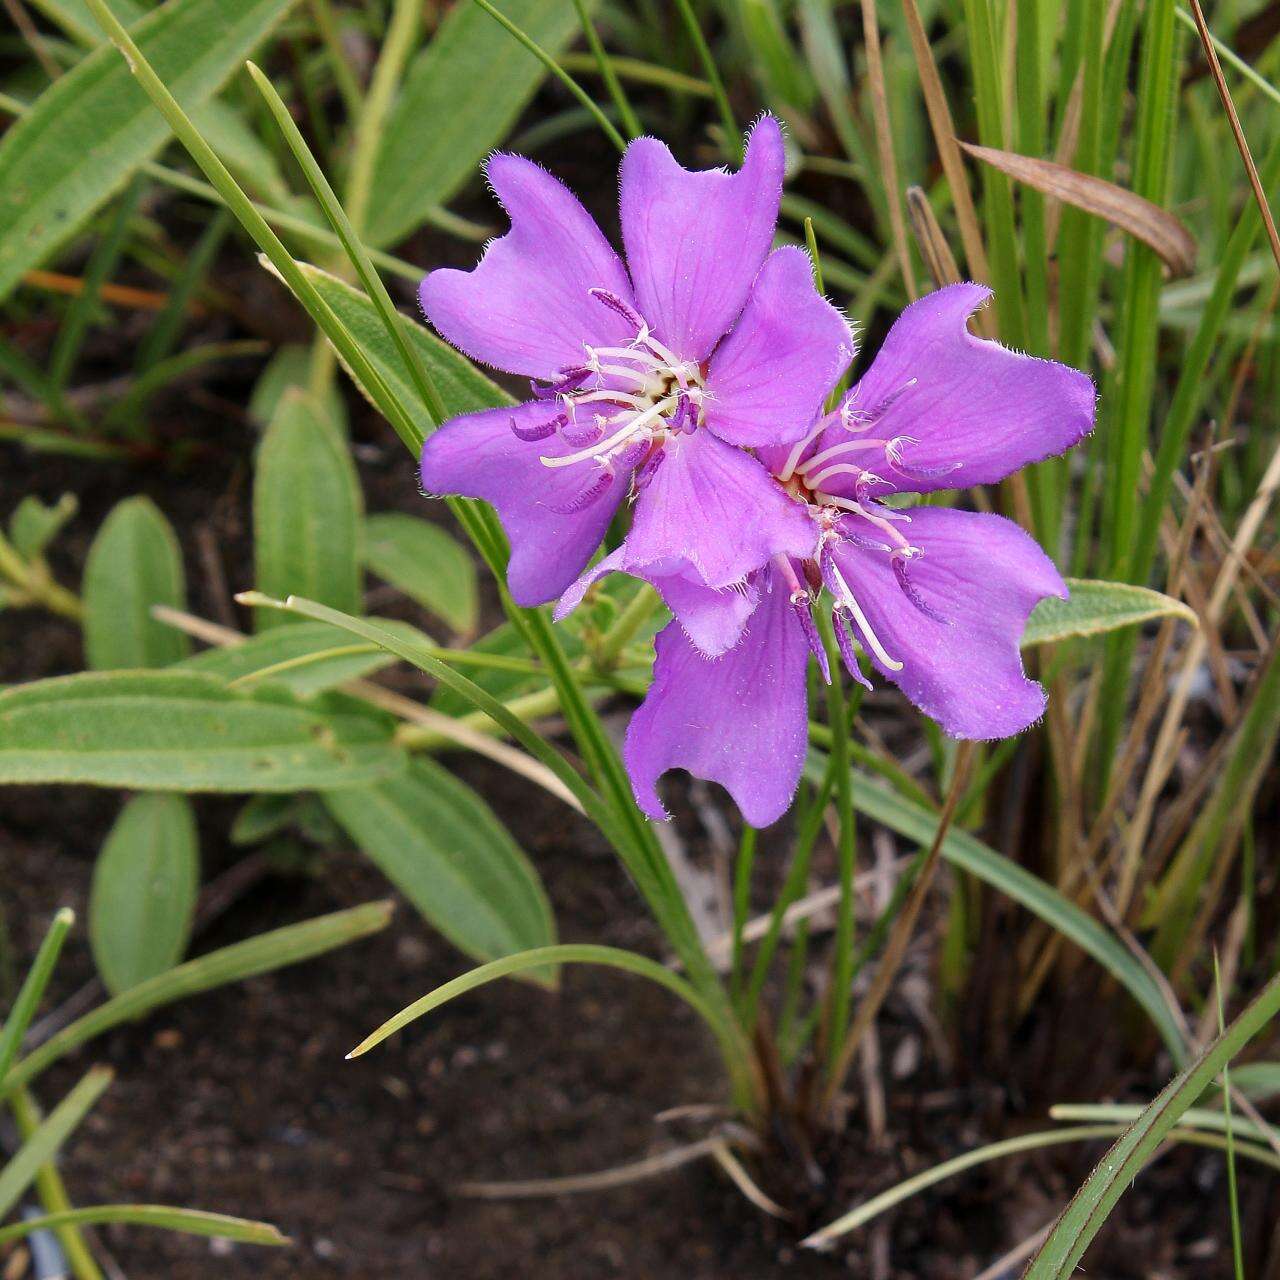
(33, 988)
(558, 71)
(1233, 1194)
(343, 76)
(741, 902)
(733, 135)
(630, 122)
(840, 984)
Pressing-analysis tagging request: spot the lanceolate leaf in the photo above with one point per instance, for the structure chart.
(443, 848)
(963, 850)
(179, 731)
(93, 127)
(424, 562)
(1125, 209)
(1095, 608)
(134, 563)
(1083, 1217)
(144, 889)
(460, 96)
(462, 386)
(307, 510)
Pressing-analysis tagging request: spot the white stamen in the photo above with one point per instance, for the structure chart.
(850, 602)
(841, 450)
(605, 446)
(839, 469)
(881, 522)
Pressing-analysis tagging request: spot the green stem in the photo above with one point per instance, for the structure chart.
(741, 902)
(630, 122)
(733, 135)
(343, 76)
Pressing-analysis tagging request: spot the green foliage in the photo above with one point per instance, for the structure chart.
(470, 82)
(183, 731)
(34, 525)
(307, 510)
(144, 888)
(1094, 608)
(51, 182)
(427, 564)
(134, 563)
(442, 846)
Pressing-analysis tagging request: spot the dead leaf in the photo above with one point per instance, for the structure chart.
(1147, 222)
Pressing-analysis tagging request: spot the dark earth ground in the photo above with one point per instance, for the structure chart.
(240, 1100)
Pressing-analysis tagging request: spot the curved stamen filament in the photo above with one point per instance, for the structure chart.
(841, 450)
(839, 469)
(850, 602)
(610, 443)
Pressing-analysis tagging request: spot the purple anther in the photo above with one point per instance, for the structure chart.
(923, 473)
(842, 624)
(800, 607)
(571, 379)
(616, 304)
(647, 469)
(581, 435)
(591, 494)
(631, 455)
(909, 590)
(540, 431)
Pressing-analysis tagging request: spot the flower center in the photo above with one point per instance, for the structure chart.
(809, 475)
(619, 407)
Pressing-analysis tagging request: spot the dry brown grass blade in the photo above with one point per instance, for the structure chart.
(121, 295)
(944, 135)
(938, 258)
(1147, 222)
(884, 144)
(1242, 145)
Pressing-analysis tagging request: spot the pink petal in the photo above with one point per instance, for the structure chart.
(479, 456)
(695, 241)
(738, 720)
(712, 619)
(526, 308)
(768, 379)
(976, 411)
(984, 575)
(713, 511)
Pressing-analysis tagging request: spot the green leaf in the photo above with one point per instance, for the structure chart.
(503, 641)
(33, 525)
(439, 843)
(1042, 899)
(19, 1173)
(1058, 1257)
(290, 367)
(27, 1001)
(323, 655)
(134, 563)
(462, 386)
(143, 896)
(268, 951)
(261, 817)
(307, 510)
(1095, 608)
(181, 731)
(89, 131)
(428, 565)
(193, 1222)
(460, 96)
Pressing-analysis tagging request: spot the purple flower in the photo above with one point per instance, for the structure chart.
(938, 598)
(651, 379)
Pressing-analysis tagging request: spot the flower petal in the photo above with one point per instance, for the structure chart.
(479, 456)
(768, 379)
(713, 511)
(695, 241)
(974, 411)
(738, 719)
(982, 574)
(712, 619)
(525, 308)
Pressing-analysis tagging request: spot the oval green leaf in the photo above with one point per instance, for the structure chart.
(143, 895)
(52, 180)
(134, 563)
(307, 510)
(182, 731)
(1095, 608)
(439, 843)
(428, 565)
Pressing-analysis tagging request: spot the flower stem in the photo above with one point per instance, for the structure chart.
(33, 584)
(611, 82)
